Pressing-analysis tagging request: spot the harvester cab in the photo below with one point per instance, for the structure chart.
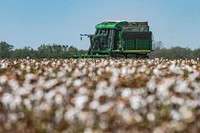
(120, 39)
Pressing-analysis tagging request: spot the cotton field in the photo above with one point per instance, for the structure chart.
(99, 95)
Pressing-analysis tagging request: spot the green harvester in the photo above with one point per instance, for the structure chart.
(120, 39)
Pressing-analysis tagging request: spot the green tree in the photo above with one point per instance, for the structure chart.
(196, 53)
(72, 51)
(172, 53)
(24, 53)
(179, 53)
(5, 49)
(53, 51)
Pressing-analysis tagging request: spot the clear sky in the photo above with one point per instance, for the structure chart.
(35, 22)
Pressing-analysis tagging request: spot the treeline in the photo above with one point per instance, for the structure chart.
(43, 51)
(65, 51)
(174, 52)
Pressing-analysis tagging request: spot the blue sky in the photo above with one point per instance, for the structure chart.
(35, 22)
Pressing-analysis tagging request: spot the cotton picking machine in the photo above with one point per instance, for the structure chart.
(120, 39)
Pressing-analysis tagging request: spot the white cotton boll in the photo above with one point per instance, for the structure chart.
(94, 104)
(80, 101)
(113, 80)
(131, 71)
(172, 64)
(58, 99)
(99, 72)
(12, 106)
(77, 83)
(112, 62)
(151, 116)
(188, 68)
(137, 102)
(27, 103)
(104, 63)
(182, 86)
(70, 114)
(105, 107)
(109, 91)
(22, 91)
(22, 66)
(49, 71)
(50, 95)
(88, 130)
(4, 65)
(139, 91)
(127, 92)
(31, 97)
(61, 73)
(19, 72)
(28, 86)
(149, 62)
(84, 71)
(83, 91)
(58, 115)
(90, 74)
(120, 107)
(163, 87)
(126, 115)
(12, 117)
(177, 100)
(150, 98)
(142, 69)
(41, 81)
(29, 76)
(28, 68)
(175, 115)
(176, 70)
(101, 86)
(50, 83)
(17, 100)
(172, 67)
(3, 79)
(158, 130)
(156, 72)
(81, 64)
(116, 72)
(193, 76)
(123, 71)
(38, 94)
(7, 98)
(107, 69)
(76, 73)
(44, 107)
(138, 117)
(99, 92)
(62, 90)
(186, 113)
(69, 81)
(13, 84)
(192, 103)
(82, 116)
(151, 84)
